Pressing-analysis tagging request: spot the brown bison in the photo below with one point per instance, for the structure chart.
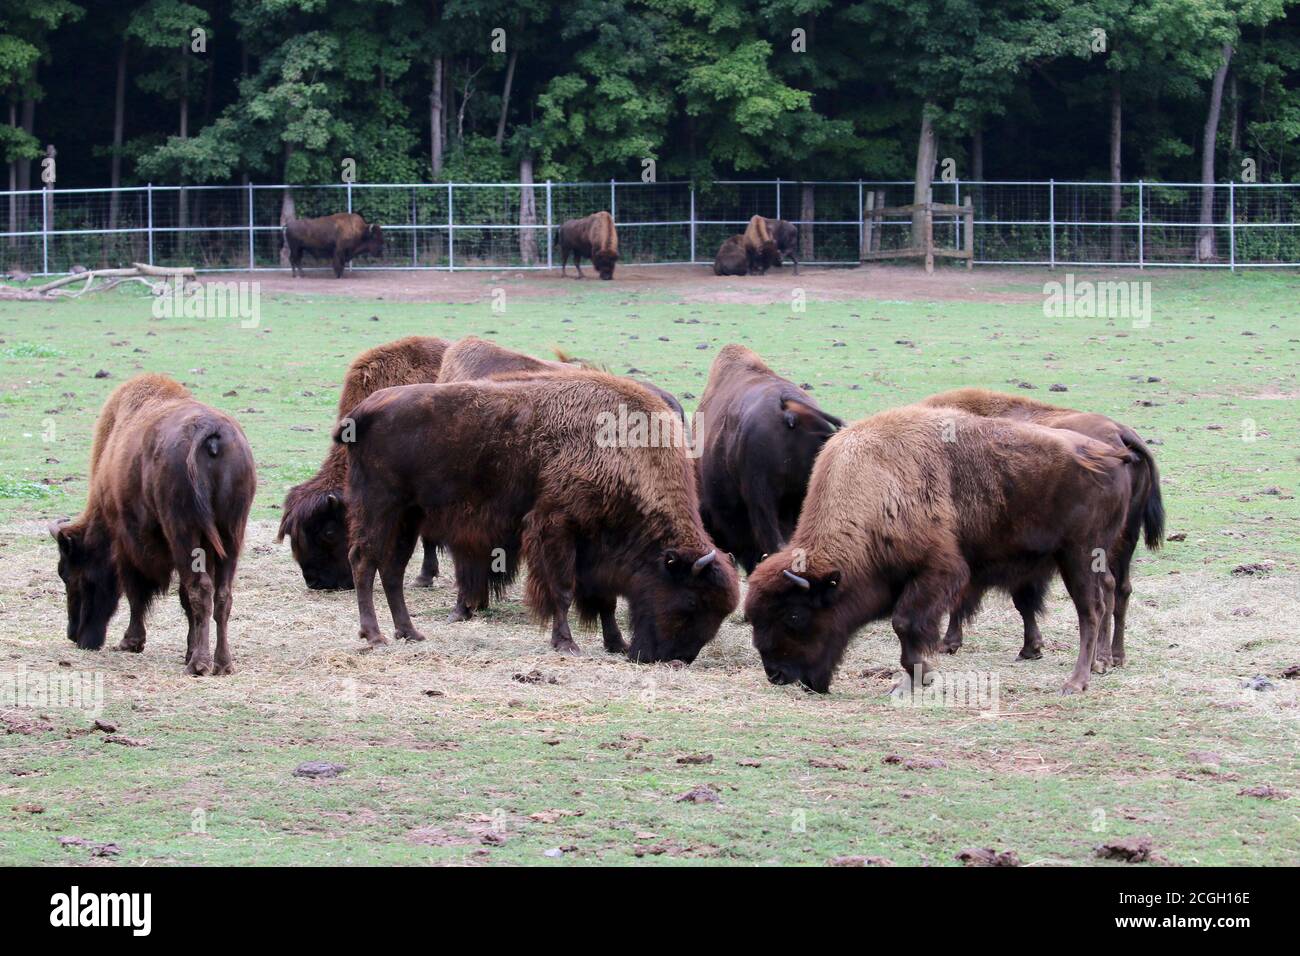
(732, 258)
(759, 247)
(171, 485)
(595, 238)
(1146, 516)
(758, 436)
(339, 238)
(521, 457)
(315, 512)
(786, 236)
(485, 573)
(910, 507)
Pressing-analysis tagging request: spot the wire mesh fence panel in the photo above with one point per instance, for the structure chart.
(513, 225)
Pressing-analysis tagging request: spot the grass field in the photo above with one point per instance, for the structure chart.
(480, 746)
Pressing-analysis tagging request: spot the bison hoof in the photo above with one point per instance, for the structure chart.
(565, 645)
(1100, 665)
(616, 647)
(223, 670)
(459, 614)
(950, 648)
(1030, 654)
(424, 581)
(1118, 660)
(132, 647)
(408, 634)
(199, 666)
(374, 638)
(1073, 687)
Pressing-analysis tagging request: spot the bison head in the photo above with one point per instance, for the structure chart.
(372, 243)
(86, 567)
(677, 606)
(604, 262)
(316, 523)
(769, 255)
(799, 628)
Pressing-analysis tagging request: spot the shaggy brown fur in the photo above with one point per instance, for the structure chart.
(171, 485)
(908, 508)
(315, 512)
(1146, 514)
(519, 459)
(758, 435)
(732, 258)
(786, 236)
(595, 238)
(759, 247)
(473, 358)
(340, 238)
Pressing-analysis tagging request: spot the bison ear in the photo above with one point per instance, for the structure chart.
(66, 539)
(334, 502)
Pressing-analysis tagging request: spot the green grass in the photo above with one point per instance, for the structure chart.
(1213, 381)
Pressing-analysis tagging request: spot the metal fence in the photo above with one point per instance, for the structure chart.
(478, 225)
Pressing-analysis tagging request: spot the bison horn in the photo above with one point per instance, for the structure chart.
(704, 562)
(55, 526)
(802, 582)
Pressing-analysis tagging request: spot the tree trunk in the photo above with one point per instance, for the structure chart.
(435, 118)
(527, 213)
(505, 96)
(28, 122)
(1234, 125)
(977, 156)
(13, 180)
(807, 213)
(287, 212)
(182, 200)
(926, 149)
(1116, 168)
(1205, 250)
(119, 125)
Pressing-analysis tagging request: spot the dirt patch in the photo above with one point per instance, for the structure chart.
(682, 283)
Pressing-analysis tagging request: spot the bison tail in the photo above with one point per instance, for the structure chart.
(1153, 509)
(200, 487)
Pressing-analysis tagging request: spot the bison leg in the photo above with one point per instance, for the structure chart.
(1111, 647)
(429, 568)
(1028, 600)
(963, 611)
(1088, 589)
(392, 573)
(363, 578)
(577, 263)
(139, 595)
(605, 606)
(1123, 589)
(338, 264)
(199, 591)
(917, 611)
(552, 558)
(295, 260)
(222, 600)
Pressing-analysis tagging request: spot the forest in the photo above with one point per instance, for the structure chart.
(232, 91)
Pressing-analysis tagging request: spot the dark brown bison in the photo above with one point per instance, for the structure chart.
(758, 436)
(786, 236)
(732, 258)
(593, 237)
(1146, 516)
(340, 238)
(486, 574)
(171, 484)
(759, 247)
(522, 457)
(910, 507)
(315, 512)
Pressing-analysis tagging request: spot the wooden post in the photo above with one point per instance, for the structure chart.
(868, 225)
(929, 232)
(969, 239)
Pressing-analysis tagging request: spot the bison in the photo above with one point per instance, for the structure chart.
(315, 512)
(339, 238)
(1146, 516)
(171, 485)
(759, 247)
(758, 435)
(910, 507)
(786, 236)
(732, 258)
(480, 574)
(481, 463)
(595, 238)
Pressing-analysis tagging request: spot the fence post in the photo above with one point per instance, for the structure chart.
(45, 230)
(861, 224)
(613, 209)
(1232, 226)
(550, 228)
(252, 260)
(149, 203)
(778, 198)
(349, 196)
(415, 232)
(692, 222)
(1141, 228)
(451, 234)
(1051, 215)
(956, 220)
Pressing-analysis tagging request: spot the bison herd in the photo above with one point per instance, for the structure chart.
(496, 458)
(340, 238)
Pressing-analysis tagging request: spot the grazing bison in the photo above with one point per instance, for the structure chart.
(595, 238)
(732, 258)
(339, 238)
(171, 484)
(908, 508)
(1146, 516)
(758, 435)
(521, 457)
(315, 512)
(759, 247)
(786, 236)
(481, 574)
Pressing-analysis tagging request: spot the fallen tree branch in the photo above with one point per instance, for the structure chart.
(137, 272)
